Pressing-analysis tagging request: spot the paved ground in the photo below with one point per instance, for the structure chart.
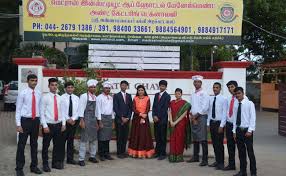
(270, 151)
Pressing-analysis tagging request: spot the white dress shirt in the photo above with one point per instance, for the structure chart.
(248, 115)
(24, 104)
(83, 103)
(47, 110)
(220, 109)
(124, 96)
(200, 103)
(161, 93)
(230, 118)
(105, 105)
(65, 102)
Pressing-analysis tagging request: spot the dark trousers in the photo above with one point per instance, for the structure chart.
(30, 128)
(217, 140)
(103, 148)
(121, 137)
(58, 144)
(69, 139)
(160, 131)
(230, 144)
(245, 143)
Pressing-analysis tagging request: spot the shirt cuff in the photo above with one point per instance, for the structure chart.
(45, 125)
(64, 123)
(250, 130)
(18, 123)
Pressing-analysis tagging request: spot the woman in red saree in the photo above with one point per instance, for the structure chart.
(141, 142)
(180, 128)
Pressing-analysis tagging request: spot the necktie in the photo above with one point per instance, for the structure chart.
(159, 97)
(70, 107)
(238, 118)
(124, 97)
(33, 105)
(56, 112)
(213, 109)
(231, 107)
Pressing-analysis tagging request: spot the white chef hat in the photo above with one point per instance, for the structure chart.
(107, 84)
(91, 82)
(197, 78)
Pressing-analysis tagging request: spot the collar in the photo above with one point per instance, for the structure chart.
(243, 101)
(161, 93)
(199, 90)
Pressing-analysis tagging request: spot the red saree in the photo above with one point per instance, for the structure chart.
(178, 133)
(140, 143)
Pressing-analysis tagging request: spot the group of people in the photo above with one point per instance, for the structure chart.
(97, 116)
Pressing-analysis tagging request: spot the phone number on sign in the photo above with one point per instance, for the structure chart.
(133, 29)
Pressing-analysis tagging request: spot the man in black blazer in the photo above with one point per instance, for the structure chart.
(160, 118)
(122, 106)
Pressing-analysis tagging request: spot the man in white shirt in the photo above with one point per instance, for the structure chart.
(53, 127)
(28, 121)
(243, 129)
(104, 104)
(199, 115)
(69, 111)
(231, 85)
(88, 122)
(216, 123)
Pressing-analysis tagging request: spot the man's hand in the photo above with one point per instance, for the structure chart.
(124, 120)
(220, 130)
(113, 125)
(144, 115)
(234, 136)
(46, 130)
(63, 128)
(248, 134)
(82, 124)
(155, 119)
(71, 121)
(19, 129)
(209, 129)
(100, 124)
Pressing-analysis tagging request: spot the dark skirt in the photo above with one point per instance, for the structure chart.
(140, 142)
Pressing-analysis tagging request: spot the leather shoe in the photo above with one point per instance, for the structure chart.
(219, 167)
(93, 160)
(156, 155)
(240, 174)
(36, 170)
(120, 156)
(72, 162)
(253, 174)
(203, 163)
(101, 158)
(81, 163)
(46, 168)
(20, 173)
(57, 166)
(162, 157)
(193, 160)
(228, 168)
(108, 157)
(213, 164)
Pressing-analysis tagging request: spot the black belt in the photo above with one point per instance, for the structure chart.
(215, 121)
(29, 118)
(243, 128)
(54, 124)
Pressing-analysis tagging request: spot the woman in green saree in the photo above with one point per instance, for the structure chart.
(180, 127)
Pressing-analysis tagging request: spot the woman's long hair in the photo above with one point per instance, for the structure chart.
(141, 86)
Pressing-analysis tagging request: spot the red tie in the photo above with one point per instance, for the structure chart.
(231, 107)
(56, 112)
(159, 97)
(33, 105)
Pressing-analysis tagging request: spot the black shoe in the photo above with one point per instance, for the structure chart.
(228, 168)
(36, 170)
(156, 155)
(108, 157)
(219, 167)
(162, 157)
(73, 162)
(203, 163)
(46, 168)
(20, 173)
(81, 163)
(58, 166)
(213, 164)
(253, 174)
(193, 160)
(240, 174)
(101, 158)
(93, 160)
(120, 156)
